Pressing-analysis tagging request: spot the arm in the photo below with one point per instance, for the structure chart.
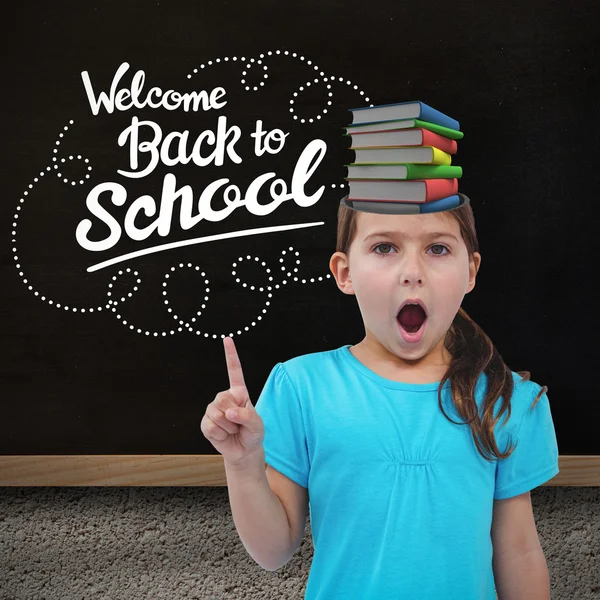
(519, 565)
(270, 528)
(269, 512)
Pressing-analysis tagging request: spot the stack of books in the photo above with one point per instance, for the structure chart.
(403, 155)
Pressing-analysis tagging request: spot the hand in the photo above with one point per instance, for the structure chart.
(231, 423)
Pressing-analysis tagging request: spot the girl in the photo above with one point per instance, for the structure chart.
(414, 451)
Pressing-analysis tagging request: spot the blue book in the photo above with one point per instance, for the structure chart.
(440, 205)
(405, 208)
(403, 110)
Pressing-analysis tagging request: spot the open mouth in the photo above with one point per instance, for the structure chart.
(411, 318)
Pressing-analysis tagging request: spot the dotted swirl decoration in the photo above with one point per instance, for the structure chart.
(114, 304)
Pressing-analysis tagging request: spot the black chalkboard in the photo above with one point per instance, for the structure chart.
(520, 77)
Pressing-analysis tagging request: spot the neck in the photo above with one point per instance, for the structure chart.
(429, 368)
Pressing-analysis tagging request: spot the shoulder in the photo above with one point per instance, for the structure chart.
(526, 393)
(521, 387)
(526, 397)
(311, 364)
(299, 383)
(311, 375)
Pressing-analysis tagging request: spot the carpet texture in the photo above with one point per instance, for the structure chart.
(155, 543)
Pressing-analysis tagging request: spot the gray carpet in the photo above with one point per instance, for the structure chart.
(180, 543)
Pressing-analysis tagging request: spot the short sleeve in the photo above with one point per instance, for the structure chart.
(285, 435)
(534, 461)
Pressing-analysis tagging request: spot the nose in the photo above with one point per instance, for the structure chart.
(409, 280)
(411, 270)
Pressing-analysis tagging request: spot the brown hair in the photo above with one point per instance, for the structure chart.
(471, 349)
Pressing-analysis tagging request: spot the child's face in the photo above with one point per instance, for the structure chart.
(384, 270)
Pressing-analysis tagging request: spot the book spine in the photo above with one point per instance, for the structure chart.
(453, 134)
(433, 172)
(433, 115)
(441, 205)
(436, 189)
(439, 157)
(429, 138)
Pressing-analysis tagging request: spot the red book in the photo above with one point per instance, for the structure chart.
(403, 137)
(395, 190)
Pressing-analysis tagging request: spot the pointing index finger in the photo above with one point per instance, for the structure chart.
(234, 366)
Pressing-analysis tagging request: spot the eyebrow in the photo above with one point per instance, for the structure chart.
(432, 234)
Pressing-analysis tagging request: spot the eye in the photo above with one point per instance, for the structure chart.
(441, 246)
(379, 245)
(434, 246)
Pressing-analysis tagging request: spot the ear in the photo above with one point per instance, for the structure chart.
(474, 265)
(340, 269)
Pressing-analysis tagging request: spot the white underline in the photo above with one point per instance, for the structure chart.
(201, 240)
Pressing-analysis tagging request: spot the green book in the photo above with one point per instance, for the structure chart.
(453, 134)
(403, 171)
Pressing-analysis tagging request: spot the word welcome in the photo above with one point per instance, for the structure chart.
(128, 97)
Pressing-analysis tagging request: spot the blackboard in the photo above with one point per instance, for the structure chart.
(134, 375)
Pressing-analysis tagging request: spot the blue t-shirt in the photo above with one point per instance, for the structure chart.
(400, 498)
